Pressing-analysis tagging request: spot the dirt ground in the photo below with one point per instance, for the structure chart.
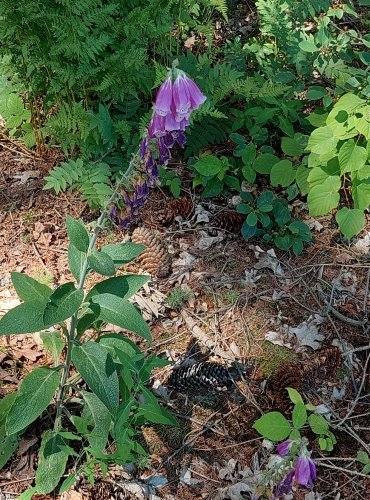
(296, 321)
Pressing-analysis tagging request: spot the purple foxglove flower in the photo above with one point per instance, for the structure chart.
(157, 126)
(181, 95)
(181, 138)
(170, 123)
(164, 153)
(143, 147)
(196, 96)
(305, 471)
(284, 447)
(169, 140)
(163, 101)
(284, 487)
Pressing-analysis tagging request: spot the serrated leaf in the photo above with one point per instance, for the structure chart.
(282, 173)
(123, 253)
(28, 288)
(273, 426)
(25, 318)
(75, 261)
(350, 221)
(323, 198)
(351, 157)
(323, 142)
(264, 163)
(208, 165)
(315, 92)
(34, 396)
(299, 415)
(291, 147)
(77, 233)
(54, 343)
(101, 263)
(52, 462)
(121, 313)
(97, 369)
(63, 303)
(308, 46)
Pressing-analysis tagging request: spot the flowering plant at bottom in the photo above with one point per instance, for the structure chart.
(177, 98)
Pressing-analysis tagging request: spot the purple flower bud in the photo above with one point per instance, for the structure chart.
(284, 447)
(164, 154)
(143, 147)
(164, 98)
(169, 140)
(181, 138)
(305, 471)
(284, 487)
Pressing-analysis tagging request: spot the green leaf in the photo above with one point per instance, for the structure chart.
(208, 165)
(249, 154)
(291, 147)
(237, 138)
(29, 289)
(363, 457)
(299, 415)
(214, 188)
(282, 173)
(101, 263)
(97, 369)
(28, 494)
(301, 177)
(123, 253)
(350, 221)
(308, 45)
(76, 260)
(52, 462)
(232, 182)
(351, 157)
(264, 163)
(34, 396)
(248, 231)
(54, 343)
(265, 200)
(122, 313)
(77, 234)
(8, 445)
(323, 198)
(294, 396)
(153, 412)
(67, 483)
(366, 469)
(323, 142)
(322, 444)
(252, 219)
(122, 286)
(249, 173)
(25, 318)
(101, 420)
(273, 426)
(349, 102)
(63, 303)
(318, 424)
(315, 92)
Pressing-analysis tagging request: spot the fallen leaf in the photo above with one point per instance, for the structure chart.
(307, 332)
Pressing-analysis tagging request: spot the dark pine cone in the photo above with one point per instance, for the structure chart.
(231, 221)
(182, 206)
(206, 375)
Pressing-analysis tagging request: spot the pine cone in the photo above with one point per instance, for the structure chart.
(288, 375)
(155, 258)
(182, 206)
(231, 221)
(321, 365)
(206, 375)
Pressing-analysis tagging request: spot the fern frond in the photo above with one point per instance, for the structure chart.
(205, 133)
(95, 186)
(64, 176)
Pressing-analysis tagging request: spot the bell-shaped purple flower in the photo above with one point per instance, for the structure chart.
(196, 96)
(181, 138)
(284, 447)
(143, 148)
(169, 139)
(181, 95)
(164, 153)
(157, 126)
(163, 100)
(305, 471)
(284, 487)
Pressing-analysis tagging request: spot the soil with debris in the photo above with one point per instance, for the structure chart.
(297, 322)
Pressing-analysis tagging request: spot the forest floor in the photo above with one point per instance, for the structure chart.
(299, 321)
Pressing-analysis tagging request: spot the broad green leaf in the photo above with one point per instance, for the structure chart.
(63, 303)
(323, 198)
(52, 462)
(251, 219)
(273, 426)
(232, 182)
(25, 318)
(323, 142)
(350, 221)
(5, 404)
(322, 444)
(349, 102)
(264, 201)
(248, 231)
(113, 341)
(75, 261)
(237, 138)
(291, 147)
(77, 233)
(264, 163)
(315, 92)
(249, 173)
(308, 45)
(101, 263)
(29, 289)
(318, 118)
(68, 483)
(351, 157)
(294, 396)
(87, 316)
(318, 424)
(153, 412)
(121, 313)
(123, 253)
(97, 369)
(101, 419)
(363, 457)
(249, 154)
(282, 173)
(213, 188)
(299, 415)
(362, 124)
(301, 177)
(8, 445)
(123, 415)
(361, 194)
(341, 123)
(34, 396)
(28, 494)
(54, 343)
(208, 165)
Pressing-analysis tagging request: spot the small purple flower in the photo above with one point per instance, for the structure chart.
(284, 487)
(143, 148)
(169, 139)
(163, 101)
(164, 153)
(284, 447)
(305, 471)
(181, 138)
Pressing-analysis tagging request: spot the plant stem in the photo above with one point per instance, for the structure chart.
(84, 272)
